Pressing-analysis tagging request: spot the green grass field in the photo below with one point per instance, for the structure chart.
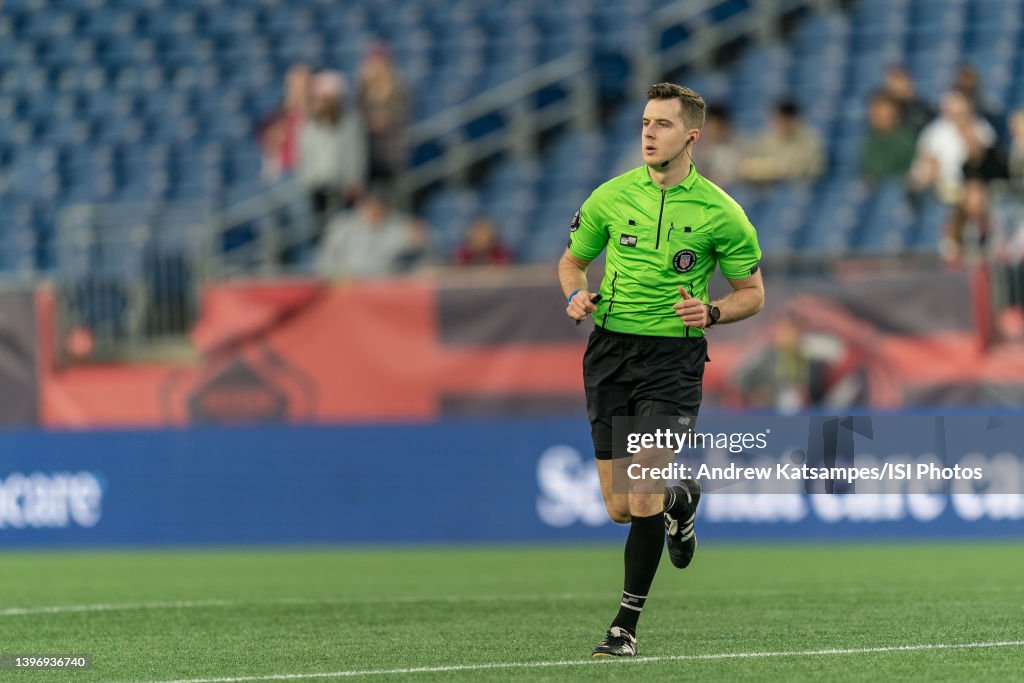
(518, 614)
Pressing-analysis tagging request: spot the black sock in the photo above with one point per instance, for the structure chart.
(643, 553)
(671, 493)
(677, 499)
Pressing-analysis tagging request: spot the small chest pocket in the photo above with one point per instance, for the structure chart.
(628, 240)
(687, 248)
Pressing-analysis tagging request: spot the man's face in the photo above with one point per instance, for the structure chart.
(883, 115)
(373, 211)
(966, 80)
(664, 131)
(956, 107)
(898, 84)
(324, 106)
(481, 236)
(375, 66)
(785, 125)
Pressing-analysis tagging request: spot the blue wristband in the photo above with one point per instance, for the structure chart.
(572, 295)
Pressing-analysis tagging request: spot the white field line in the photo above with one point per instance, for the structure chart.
(216, 603)
(113, 607)
(601, 662)
(409, 599)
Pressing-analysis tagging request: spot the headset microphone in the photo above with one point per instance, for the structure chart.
(665, 163)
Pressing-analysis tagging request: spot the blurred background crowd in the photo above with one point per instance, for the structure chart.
(203, 106)
(152, 148)
(955, 147)
(346, 148)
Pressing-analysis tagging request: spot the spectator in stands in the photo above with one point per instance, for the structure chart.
(279, 133)
(719, 154)
(482, 246)
(914, 111)
(984, 162)
(332, 151)
(787, 150)
(384, 107)
(373, 240)
(945, 145)
(970, 224)
(966, 80)
(888, 149)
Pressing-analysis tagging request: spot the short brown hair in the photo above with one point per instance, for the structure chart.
(692, 104)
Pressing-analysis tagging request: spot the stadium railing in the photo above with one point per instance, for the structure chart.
(693, 20)
(128, 276)
(510, 120)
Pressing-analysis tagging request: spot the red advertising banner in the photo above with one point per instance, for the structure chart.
(415, 349)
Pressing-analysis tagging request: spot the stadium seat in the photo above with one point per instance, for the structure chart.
(926, 232)
(836, 210)
(885, 222)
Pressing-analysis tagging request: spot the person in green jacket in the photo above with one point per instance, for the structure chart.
(888, 149)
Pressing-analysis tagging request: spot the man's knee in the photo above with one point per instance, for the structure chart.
(620, 516)
(618, 510)
(646, 504)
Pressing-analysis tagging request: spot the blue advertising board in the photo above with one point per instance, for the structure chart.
(491, 481)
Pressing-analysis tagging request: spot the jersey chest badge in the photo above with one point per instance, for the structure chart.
(684, 260)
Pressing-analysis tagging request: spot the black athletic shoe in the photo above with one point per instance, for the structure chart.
(679, 518)
(618, 642)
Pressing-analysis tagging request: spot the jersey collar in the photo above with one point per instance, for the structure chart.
(686, 183)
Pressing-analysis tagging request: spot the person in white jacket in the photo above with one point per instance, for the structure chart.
(333, 163)
(372, 241)
(944, 145)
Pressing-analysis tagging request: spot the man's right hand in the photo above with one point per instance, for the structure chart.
(580, 306)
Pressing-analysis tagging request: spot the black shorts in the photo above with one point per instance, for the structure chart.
(637, 375)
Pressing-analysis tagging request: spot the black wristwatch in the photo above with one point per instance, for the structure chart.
(714, 313)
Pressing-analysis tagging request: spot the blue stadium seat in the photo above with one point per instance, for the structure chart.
(448, 213)
(834, 215)
(927, 230)
(886, 220)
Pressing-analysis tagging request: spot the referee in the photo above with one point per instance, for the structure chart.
(665, 227)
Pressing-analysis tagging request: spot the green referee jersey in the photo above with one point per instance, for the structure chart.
(657, 240)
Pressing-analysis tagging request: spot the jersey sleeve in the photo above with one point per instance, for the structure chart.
(736, 243)
(588, 232)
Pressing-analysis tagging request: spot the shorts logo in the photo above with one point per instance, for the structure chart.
(575, 224)
(684, 260)
(627, 240)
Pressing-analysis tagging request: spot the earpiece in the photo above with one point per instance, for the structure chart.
(692, 139)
